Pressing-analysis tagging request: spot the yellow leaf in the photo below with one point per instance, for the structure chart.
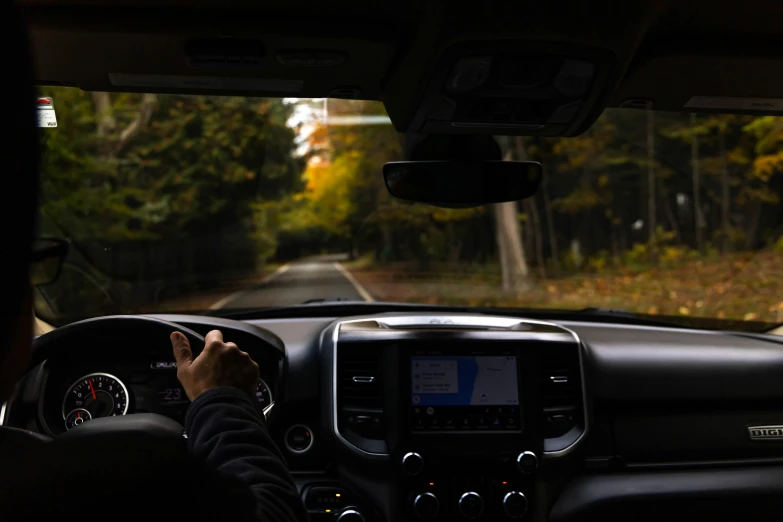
(684, 310)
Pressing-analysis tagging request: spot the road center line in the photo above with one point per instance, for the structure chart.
(217, 305)
(356, 284)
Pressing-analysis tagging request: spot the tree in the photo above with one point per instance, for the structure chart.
(651, 222)
(511, 254)
(164, 188)
(543, 152)
(725, 200)
(698, 218)
(767, 141)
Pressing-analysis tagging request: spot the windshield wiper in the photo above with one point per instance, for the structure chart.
(595, 310)
(322, 300)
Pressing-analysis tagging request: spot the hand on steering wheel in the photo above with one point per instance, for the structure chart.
(219, 364)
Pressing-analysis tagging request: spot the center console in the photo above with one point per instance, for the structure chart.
(464, 411)
(471, 440)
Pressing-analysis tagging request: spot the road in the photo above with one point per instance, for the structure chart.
(299, 281)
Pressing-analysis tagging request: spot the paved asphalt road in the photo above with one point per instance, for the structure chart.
(299, 281)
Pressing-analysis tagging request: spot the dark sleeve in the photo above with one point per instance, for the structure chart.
(227, 432)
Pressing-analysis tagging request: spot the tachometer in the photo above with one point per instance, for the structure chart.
(94, 395)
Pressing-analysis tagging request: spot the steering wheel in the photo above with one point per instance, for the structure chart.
(104, 463)
(131, 432)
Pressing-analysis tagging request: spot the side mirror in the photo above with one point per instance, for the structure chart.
(46, 261)
(462, 184)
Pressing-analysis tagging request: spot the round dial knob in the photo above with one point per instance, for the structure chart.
(426, 506)
(350, 515)
(515, 504)
(412, 463)
(527, 462)
(471, 504)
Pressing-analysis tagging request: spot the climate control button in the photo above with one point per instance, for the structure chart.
(350, 515)
(527, 462)
(515, 504)
(471, 505)
(412, 463)
(426, 506)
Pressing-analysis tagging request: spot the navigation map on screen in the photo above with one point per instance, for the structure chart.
(464, 380)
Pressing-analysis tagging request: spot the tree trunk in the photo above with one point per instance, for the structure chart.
(651, 176)
(550, 225)
(698, 218)
(511, 254)
(528, 236)
(387, 252)
(502, 246)
(535, 218)
(623, 236)
(146, 108)
(725, 204)
(667, 210)
(104, 120)
(613, 240)
(454, 244)
(753, 225)
(106, 124)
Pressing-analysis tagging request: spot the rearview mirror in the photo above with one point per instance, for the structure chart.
(462, 184)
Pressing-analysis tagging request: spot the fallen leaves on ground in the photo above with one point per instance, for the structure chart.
(734, 286)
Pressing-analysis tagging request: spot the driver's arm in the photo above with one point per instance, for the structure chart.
(226, 430)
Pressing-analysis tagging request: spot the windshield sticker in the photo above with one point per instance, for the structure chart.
(46, 116)
(743, 104)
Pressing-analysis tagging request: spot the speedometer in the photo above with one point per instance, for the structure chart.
(94, 395)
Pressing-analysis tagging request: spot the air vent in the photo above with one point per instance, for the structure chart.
(561, 389)
(359, 390)
(358, 376)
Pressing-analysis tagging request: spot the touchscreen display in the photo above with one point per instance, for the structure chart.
(465, 392)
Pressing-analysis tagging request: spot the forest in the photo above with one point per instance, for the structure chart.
(167, 196)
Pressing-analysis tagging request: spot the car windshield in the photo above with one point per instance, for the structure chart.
(175, 203)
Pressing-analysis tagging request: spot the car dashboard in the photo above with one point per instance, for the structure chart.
(131, 379)
(447, 416)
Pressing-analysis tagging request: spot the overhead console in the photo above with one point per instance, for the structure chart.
(463, 409)
(535, 90)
